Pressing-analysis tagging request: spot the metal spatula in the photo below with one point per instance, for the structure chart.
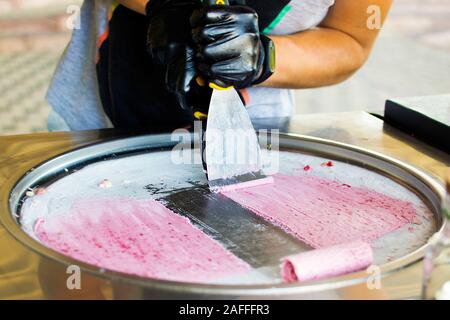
(232, 152)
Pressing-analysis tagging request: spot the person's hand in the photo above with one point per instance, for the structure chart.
(182, 80)
(169, 43)
(168, 32)
(229, 50)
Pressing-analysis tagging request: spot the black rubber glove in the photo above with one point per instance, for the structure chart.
(169, 43)
(168, 32)
(229, 50)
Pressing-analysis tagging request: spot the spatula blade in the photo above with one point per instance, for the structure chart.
(232, 150)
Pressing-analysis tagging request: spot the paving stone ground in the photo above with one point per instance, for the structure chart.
(23, 81)
(411, 58)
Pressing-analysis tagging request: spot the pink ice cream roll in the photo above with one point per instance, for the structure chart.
(327, 262)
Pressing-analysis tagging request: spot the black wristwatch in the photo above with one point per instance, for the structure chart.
(268, 66)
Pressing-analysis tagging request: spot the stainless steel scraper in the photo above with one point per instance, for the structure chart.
(232, 152)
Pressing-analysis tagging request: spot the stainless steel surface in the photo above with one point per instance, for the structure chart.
(232, 151)
(427, 188)
(26, 274)
(159, 174)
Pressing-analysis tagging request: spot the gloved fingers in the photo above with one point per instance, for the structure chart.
(237, 2)
(244, 45)
(164, 39)
(200, 98)
(183, 100)
(232, 72)
(209, 15)
(219, 31)
(180, 75)
(219, 14)
(212, 33)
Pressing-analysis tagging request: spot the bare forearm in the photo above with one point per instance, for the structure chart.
(334, 51)
(315, 58)
(135, 5)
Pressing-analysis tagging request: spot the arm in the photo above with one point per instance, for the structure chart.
(135, 5)
(330, 53)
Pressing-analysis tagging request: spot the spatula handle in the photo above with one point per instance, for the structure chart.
(217, 2)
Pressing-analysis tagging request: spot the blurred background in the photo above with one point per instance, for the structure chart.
(411, 58)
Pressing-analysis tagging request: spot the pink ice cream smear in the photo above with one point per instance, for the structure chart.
(323, 212)
(140, 237)
(243, 185)
(328, 262)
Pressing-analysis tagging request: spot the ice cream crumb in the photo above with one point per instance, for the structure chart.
(40, 191)
(105, 184)
(327, 164)
(417, 221)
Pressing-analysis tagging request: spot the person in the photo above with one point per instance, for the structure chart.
(147, 64)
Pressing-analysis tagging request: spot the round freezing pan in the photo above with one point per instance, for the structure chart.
(409, 177)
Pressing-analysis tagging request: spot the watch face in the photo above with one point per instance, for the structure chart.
(271, 56)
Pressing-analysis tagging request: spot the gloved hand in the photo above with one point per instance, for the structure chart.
(230, 51)
(180, 79)
(168, 31)
(169, 43)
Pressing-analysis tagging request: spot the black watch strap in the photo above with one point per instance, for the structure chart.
(268, 66)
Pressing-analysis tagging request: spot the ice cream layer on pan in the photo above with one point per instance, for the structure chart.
(322, 206)
(140, 237)
(323, 212)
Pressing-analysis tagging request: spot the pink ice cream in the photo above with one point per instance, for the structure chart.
(140, 237)
(322, 212)
(244, 185)
(327, 262)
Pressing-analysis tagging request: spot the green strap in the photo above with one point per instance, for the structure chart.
(446, 212)
(278, 18)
